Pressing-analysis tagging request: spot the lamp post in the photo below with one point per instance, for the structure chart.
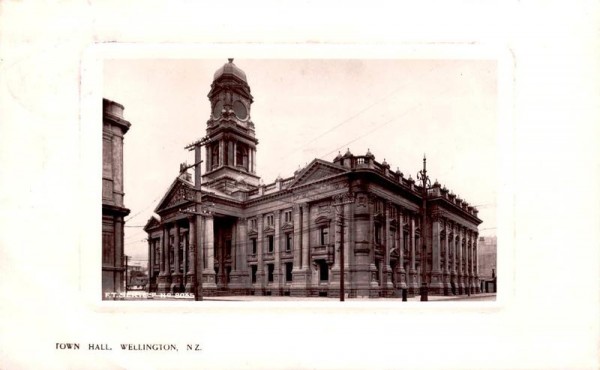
(425, 182)
(198, 211)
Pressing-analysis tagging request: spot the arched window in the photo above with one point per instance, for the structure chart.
(215, 156)
(241, 156)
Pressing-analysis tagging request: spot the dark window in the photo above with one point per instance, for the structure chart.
(324, 237)
(269, 220)
(253, 224)
(253, 269)
(378, 234)
(229, 153)
(107, 247)
(228, 271)
(241, 156)
(270, 243)
(287, 215)
(323, 271)
(156, 252)
(270, 269)
(288, 242)
(288, 271)
(228, 248)
(215, 155)
(253, 245)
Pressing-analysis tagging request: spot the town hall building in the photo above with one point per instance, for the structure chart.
(296, 235)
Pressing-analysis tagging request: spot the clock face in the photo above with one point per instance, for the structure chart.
(240, 110)
(217, 109)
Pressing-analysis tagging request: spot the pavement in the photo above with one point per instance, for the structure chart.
(141, 295)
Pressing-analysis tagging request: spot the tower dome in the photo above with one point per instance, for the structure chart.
(230, 69)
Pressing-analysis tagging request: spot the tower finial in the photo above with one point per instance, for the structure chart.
(230, 60)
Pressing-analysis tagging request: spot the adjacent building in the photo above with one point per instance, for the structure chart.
(114, 128)
(487, 263)
(288, 237)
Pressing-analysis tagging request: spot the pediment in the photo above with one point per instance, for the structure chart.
(287, 226)
(152, 222)
(179, 193)
(315, 171)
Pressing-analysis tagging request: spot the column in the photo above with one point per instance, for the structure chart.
(276, 249)
(297, 250)
(436, 278)
(388, 243)
(297, 238)
(260, 267)
(191, 271)
(305, 236)
(348, 242)
(243, 249)
(336, 230)
(476, 263)
(150, 258)
(413, 267)
(235, 154)
(447, 235)
(176, 277)
(460, 275)
(471, 271)
(402, 271)
(162, 273)
(209, 243)
(221, 153)
(374, 277)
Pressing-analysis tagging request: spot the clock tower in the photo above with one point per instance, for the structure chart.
(231, 153)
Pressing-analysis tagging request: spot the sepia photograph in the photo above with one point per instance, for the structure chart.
(278, 179)
(277, 185)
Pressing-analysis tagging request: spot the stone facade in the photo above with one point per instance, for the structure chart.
(286, 238)
(487, 255)
(114, 128)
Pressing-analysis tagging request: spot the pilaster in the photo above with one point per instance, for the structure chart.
(402, 270)
(176, 276)
(208, 274)
(388, 243)
(191, 256)
(436, 285)
(414, 284)
(277, 284)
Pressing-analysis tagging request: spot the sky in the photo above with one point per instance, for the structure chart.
(399, 109)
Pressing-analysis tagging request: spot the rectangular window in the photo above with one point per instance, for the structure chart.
(270, 269)
(269, 220)
(270, 243)
(288, 242)
(378, 206)
(107, 247)
(393, 212)
(253, 245)
(253, 224)
(323, 271)
(377, 234)
(287, 216)
(324, 237)
(288, 271)
(253, 269)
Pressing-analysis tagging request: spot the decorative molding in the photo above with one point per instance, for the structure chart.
(321, 220)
